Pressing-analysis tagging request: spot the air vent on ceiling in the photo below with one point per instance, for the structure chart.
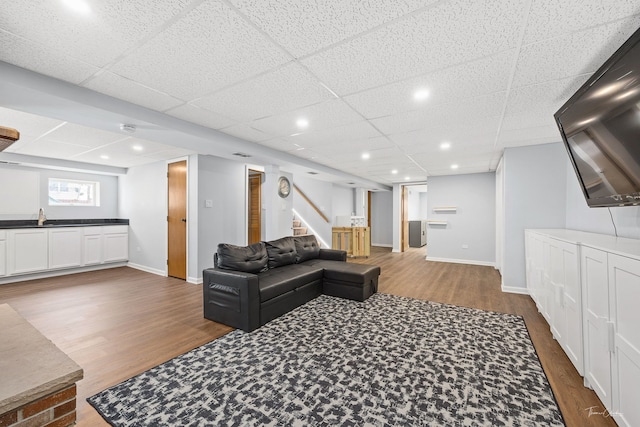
(312, 173)
(351, 183)
(245, 155)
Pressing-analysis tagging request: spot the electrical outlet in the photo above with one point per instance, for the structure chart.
(208, 203)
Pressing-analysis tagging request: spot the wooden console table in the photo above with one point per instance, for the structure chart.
(356, 241)
(37, 380)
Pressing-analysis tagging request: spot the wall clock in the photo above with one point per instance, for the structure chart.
(284, 187)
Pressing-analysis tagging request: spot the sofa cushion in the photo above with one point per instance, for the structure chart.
(248, 259)
(281, 252)
(275, 282)
(306, 248)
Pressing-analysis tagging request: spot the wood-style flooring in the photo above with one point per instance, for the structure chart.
(119, 322)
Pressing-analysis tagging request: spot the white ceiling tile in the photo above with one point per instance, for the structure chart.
(534, 105)
(246, 132)
(525, 136)
(320, 116)
(50, 148)
(439, 37)
(303, 27)
(125, 89)
(200, 116)
(99, 37)
(212, 45)
(377, 148)
(360, 130)
(569, 55)
(49, 61)
(444, 86)
(285, 89)
(551, 18)
(29, 125)
(447, 115)
(84, 136)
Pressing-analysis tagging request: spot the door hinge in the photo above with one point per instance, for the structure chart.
(167, 262)
(167, 218)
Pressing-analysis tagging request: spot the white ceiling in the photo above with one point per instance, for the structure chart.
(495, 70)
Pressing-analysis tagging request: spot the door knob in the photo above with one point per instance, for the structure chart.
(183, 219)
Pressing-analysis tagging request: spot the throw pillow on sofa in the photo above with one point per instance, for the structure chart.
(306, 248)
(281, 252)
(249, 259)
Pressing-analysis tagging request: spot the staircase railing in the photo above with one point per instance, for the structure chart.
(313, 205)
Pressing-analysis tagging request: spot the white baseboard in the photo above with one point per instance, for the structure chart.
(461, 261)
(147, 269)
(63, 272)
(514, 290)
(382, 245)
(195, 280)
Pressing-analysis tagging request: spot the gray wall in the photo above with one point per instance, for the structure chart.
(108, 195)
(342, 201)
(534, 197)
(143, 200)
(321, 194)
(224, 182)
(472, 225)
(598, 220)
(382, 218)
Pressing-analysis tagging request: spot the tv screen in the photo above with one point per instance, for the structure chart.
(600, 126)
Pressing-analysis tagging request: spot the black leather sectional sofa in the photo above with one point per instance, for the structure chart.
(252, 285)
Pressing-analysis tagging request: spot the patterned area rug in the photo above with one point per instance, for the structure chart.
(390, 361)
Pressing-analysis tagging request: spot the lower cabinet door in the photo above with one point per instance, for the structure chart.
(596, 325)
(624, 292)
(65, 247)
(116, 247)
(27, 251)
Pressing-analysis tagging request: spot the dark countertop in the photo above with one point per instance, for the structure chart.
(53, 223)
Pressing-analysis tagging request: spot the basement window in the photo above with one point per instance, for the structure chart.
(68, 192)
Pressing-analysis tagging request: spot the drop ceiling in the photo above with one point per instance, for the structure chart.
(217, 77)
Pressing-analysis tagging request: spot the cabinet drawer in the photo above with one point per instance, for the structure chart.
(115, 229)
(92, 231)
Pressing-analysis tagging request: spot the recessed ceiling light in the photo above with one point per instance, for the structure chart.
(421, 94)
(302, 123)
(407, 178)
(104, 157)
(78, 6)
(366, 156)
(454, 166)
(395, 171)
(137, 147)
(445, 145)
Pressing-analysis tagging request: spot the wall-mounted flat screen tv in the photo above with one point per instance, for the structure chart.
(600, 126)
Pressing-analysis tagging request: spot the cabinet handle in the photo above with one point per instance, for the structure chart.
(612, 336)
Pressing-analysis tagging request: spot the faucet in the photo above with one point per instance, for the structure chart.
(41, 218)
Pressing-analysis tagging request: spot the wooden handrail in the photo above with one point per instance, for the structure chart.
(304, 196)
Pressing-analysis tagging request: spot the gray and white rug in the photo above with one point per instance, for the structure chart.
(390, 361)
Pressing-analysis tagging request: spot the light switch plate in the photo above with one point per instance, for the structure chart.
(208, 203)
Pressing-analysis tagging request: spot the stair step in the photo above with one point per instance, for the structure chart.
(297, 223)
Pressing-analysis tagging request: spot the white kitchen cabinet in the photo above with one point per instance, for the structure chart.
(28, 250)
(3, 252)
(65, 247)
(624, 295)
(116, 243)
(92, 246)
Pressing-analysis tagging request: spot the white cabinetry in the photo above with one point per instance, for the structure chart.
(3, 252)
(116, 243)
(39, 250)
(553, 281)
(607, 270)
(27, 250)
(65, 247)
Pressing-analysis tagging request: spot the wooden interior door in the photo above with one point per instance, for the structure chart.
(369, 209)
(404, 219)
(177, 220)
(255, 207)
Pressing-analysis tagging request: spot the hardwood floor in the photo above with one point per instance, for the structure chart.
(117, 323)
